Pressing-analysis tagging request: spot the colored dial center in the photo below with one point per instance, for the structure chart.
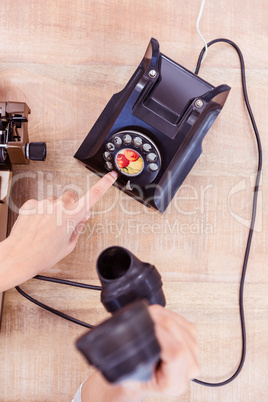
(129, 162)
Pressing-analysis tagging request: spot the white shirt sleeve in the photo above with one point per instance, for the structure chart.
(77, 397)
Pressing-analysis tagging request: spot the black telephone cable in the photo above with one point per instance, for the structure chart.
(253, 216)
(66, 282)
(51, 309)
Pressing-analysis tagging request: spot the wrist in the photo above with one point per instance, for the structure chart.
(14, 268)
(97, 389)
(6, 267)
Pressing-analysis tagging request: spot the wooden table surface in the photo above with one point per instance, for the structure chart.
(65, 59)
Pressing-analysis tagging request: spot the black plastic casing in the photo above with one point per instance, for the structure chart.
(125, 279)
(37, 151)
(124, 346)
(163, 108)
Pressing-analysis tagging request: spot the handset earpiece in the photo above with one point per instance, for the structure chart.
(125, 279)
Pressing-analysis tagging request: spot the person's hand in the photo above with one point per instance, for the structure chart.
(178, 365)
(179, 350)
(45, 232)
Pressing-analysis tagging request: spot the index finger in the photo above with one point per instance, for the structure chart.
(97, 191)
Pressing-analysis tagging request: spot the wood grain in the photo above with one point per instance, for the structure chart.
(65, 59)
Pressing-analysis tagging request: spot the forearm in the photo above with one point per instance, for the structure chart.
(97, 389)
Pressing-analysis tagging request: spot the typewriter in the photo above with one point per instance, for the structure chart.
(15, 149)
